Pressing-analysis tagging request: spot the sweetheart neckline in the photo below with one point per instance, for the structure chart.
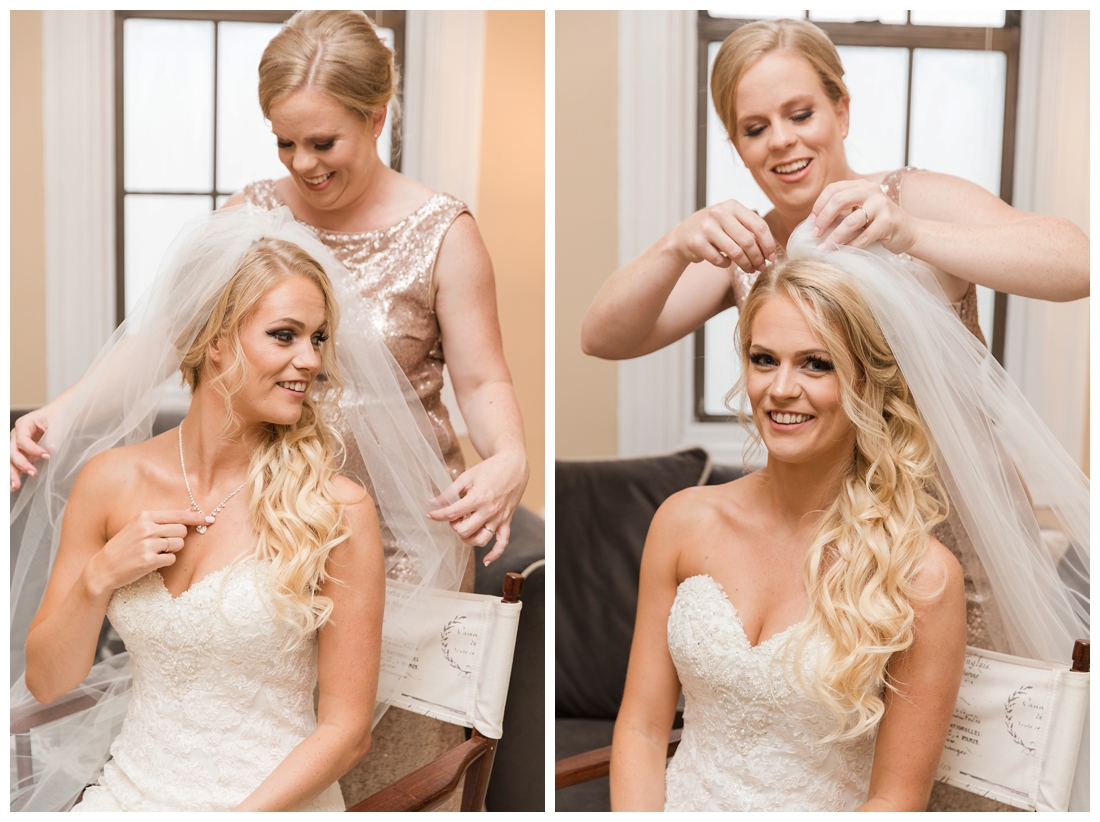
(194, 585)
(736, 615)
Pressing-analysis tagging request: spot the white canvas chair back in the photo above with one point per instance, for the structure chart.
(462, 660)
(1016, 730)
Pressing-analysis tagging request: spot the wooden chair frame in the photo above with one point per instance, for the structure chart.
(469, 764)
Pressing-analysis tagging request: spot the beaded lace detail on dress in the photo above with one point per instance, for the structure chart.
(751, 739)
(220, 696)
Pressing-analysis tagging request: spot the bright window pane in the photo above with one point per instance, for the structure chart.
(722, 366)
(958, 114)
(727, 177)
(169, 104)
(877, 80)
(152, 222)
(962, 16)
(756, 11)
(385, 139)
(246, 147)
(864, 15)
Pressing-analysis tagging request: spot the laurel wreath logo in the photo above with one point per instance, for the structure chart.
(445, 643)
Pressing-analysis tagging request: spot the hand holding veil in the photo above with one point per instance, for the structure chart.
(115, 405)
(992, 451)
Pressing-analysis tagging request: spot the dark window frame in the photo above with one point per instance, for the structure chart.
(903, 35)
(384, 19)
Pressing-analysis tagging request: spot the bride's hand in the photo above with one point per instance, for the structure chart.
(863, 215)
(725, 233)
(489, 494)
(146, 544)
(25, 447)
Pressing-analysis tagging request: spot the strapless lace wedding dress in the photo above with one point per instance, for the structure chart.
(751, 740)
(218, 700)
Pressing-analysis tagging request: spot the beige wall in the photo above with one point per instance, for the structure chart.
(586, 224)
(28, 261)
(511, 213)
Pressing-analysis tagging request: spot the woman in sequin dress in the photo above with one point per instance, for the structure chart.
(779, 92)
(326, 85)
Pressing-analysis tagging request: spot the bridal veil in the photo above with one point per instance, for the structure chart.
(115, 404)
(994, 454)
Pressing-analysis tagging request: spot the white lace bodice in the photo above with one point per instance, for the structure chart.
(218, 701)
(750, 738)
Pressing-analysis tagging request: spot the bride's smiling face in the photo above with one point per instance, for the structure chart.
(281, 342)
(794, 389)
(789, 134)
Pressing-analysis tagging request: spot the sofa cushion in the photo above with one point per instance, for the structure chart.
(603, 511)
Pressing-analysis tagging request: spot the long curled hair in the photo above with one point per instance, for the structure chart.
(297, 519)
(873, 538)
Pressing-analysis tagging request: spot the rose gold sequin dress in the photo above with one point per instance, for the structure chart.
(395, 268)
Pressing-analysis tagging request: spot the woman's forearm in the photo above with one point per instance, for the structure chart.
(315, 763)
(637, 771)
(627, 307)
(1038, 256)
(493, 419)
(61, 649)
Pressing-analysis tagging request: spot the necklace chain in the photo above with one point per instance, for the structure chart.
(202, 528)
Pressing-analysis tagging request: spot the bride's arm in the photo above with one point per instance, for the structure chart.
(640, 745)
(913, 729)
(61, 642)
(349, 649)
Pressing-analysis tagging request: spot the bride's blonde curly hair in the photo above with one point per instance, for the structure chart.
(872, 540)
(291, 502)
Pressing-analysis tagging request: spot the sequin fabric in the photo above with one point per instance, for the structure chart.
(751, 738)
(394, 268)
(221, 696)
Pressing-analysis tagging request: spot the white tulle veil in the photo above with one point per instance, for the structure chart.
(115, 405)
(994, 455)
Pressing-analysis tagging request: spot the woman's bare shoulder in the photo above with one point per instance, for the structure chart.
(128, 462)
(940, 576)
(702, 509)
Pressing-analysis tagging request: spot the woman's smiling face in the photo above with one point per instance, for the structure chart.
(328, 149)
(789, 134)
(281, 342)
(793, 388)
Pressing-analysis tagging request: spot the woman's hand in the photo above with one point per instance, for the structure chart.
(489, 494)
(723, 234)
(862, 215)
(146, 544)
(25, 447)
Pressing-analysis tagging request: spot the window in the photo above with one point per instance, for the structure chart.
(943, 92)
(189, 131)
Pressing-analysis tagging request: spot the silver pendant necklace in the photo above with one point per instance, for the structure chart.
(202, 528)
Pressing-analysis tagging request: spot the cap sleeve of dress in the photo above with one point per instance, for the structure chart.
(262, 193)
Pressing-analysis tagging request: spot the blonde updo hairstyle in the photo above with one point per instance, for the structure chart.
(337, 52)
(294, 513)
(872, 540)
(752, 41)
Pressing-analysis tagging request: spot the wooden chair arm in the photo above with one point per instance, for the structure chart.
(584, 767)
(73, 702)
(432, 784)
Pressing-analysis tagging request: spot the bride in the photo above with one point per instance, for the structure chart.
(816, 628)
(238, 566)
